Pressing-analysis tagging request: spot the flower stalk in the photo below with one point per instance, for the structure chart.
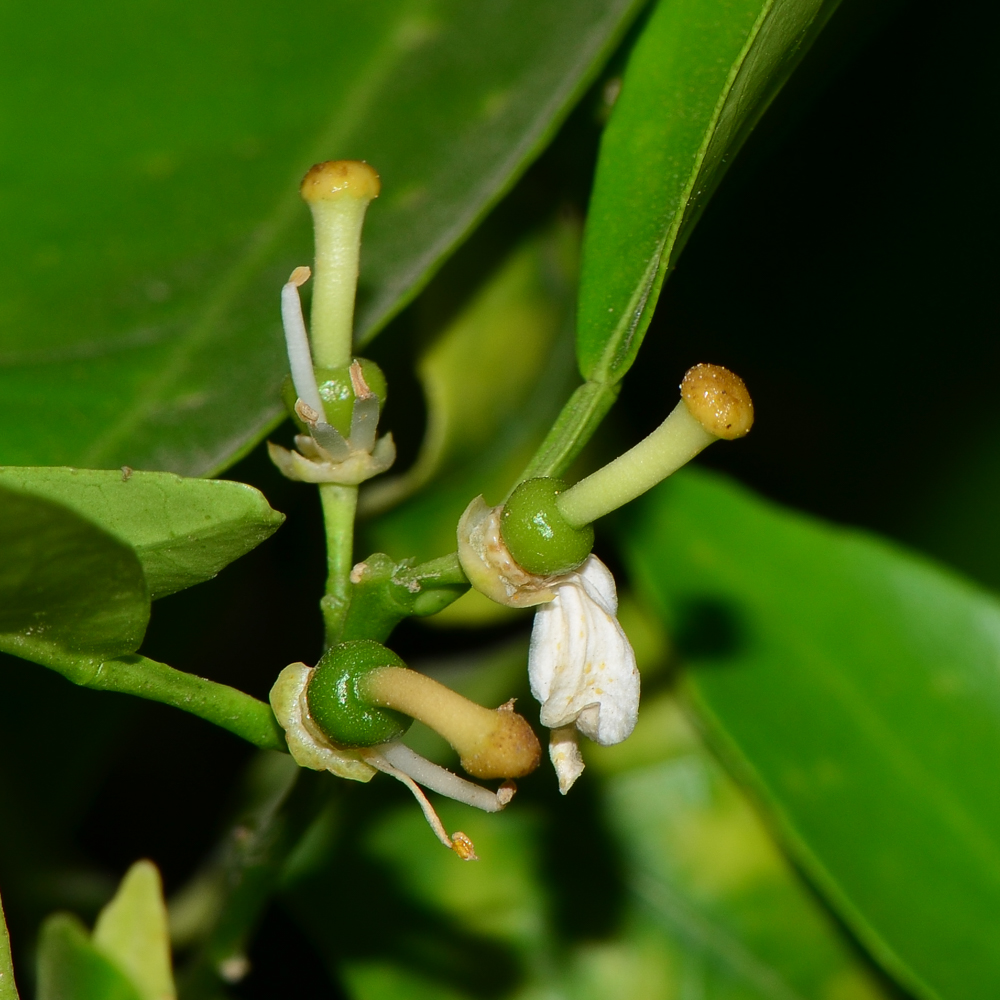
(339, 504)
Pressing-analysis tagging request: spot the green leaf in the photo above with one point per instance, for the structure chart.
(183, 530)
(66, 586)
(8, 988)
(132, 932)
(698, 80)
(374, 980)
(150, 193)
(855, 687)
(71, 968)
(703, 870)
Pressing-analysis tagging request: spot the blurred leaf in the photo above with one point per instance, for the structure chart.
(132, 932)
(855, 687)
(700, 77)
(704, 870)
(510, 908)
(65, 585)
(8, 988)
(71, 968)
(153, 155)
(488, 366)
(711, 907)
(494, 378)
(385, 981)
(954, 517)
(183, 530)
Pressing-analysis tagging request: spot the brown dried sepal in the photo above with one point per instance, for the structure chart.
(718, 399)
(335, 178)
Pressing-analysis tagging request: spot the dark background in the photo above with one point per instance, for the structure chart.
(844, 269)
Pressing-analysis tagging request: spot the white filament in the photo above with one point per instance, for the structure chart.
(437, 779)
(297, 342)
(433, 820)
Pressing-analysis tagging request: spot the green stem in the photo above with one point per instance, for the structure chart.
(386, 593)
(574, 427)
(219, 909)
(220, 704)
(339, 506)
(225, 706)
(8, 988)
(441, 572)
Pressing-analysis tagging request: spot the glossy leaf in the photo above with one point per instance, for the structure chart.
(65, 585)
(132, 932)
(150, 193)
(698, 80)
(183, 530)
(71, 968)
(855, 686)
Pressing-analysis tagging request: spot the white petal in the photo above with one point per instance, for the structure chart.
(581, 665)
(564, 752)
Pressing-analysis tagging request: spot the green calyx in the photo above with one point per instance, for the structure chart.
(337, 392)
(336, 705)
(539, 538)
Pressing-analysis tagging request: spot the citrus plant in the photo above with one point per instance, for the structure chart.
(369, 302)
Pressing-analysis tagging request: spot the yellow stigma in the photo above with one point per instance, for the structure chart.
(718, 400)
(334, 179)
(714, 404)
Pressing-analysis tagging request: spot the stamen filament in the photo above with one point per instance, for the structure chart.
(297, 341)
(404, 760)
(439, 779)
(433, 820)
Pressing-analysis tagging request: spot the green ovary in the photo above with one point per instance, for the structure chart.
(334, 701)
(537, 535)
(337, 393)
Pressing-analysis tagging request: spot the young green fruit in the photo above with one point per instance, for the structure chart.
(337, 393)
(537, 535)
(339, 709)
